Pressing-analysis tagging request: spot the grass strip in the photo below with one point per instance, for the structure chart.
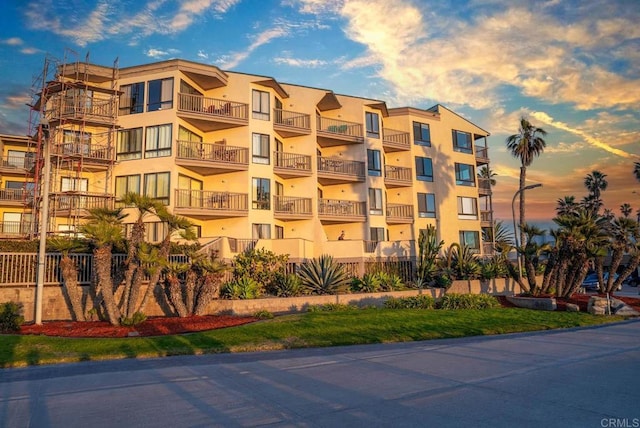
(312, 329)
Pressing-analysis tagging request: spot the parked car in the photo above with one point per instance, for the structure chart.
(633, 280)
(591, 282)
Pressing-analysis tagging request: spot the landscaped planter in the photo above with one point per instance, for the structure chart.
(539, 303)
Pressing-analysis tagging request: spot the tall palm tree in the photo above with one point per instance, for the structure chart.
(567, 206)
(596, 183)
(626, 209)
(527, 144)
(488, 174)
(636, 170)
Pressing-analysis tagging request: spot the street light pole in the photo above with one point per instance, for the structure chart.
(513, 216)
(44, 220)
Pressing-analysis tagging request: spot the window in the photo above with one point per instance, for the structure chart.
(160, 94)
(375, 201)
(131, 99)
(156, 186)
(374, 165)
(189, 192)
(260, 231)
(158, 141)
(129, 144)
(462, 142)
(424, 169)
(260, 108)
(465, 175)
(426, 205)
(279, 232)
(373, 126)
(261, 149)
(19, 159)
(467, 208)
(261, 193)
(76, 142)
(15, 223)
(377, 234)
(126, 184)
(185, 134)
(470, 238)
(73, 184)
(421, 134)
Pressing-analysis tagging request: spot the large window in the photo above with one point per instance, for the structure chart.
(373, 125)
(131, 99)
(74, 184)
(421, 134)
(375, 201)
(462, 142)
(427, 205)
(127, 184)
(470, 238)
(260, 149)
(261, 193)
(465, 175)
(424, 169)
(160, 94)
(158, 142)
(129, 144)
(20, 159)
(76, 142)
(260, 105)
(157, 185)
(260, 231)
(467, 208)
(374, 164)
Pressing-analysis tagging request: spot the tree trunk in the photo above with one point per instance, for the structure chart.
(69, 272)
(165, 248)
(190, 288)
(208, 290)
(102, 263)
(523, 179)
(174, 292)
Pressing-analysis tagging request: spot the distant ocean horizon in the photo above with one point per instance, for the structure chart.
(546, 225)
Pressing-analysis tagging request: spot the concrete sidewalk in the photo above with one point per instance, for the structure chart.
(584, 377)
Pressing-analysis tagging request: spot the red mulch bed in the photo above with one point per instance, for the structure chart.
(151, 327)
(582, 300)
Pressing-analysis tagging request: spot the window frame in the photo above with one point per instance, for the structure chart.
(158, 151)
(376, 202)
(463, 234)
(374, 234)
(418, 128)
(261, 228)
(460, 180)
(425, 201)
(372, 122)
(131, 101)
(263, 143)
(258, 201)
(127, 186)
(374, 163)
(156, 195)
(260, 104)
(420, 169)
(467, 208)
(462, 148)
(160, 94)
(129, 154)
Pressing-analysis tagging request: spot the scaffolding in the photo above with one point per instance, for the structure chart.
(73, 120)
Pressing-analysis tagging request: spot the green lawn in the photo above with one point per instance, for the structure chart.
(312, 329)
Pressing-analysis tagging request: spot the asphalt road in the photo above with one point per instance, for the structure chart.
(586, 377)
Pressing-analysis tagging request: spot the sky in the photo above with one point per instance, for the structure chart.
(569, 67)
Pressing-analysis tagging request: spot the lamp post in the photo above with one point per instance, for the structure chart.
(44, 220)
(513, 216)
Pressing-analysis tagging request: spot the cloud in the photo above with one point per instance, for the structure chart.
(12, 41)
(202, 55)
(301, 63)
(545, 118)
(158, 54)
(232, 60)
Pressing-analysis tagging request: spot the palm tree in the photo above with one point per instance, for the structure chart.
(525, 145)
(626, 210)
(69, 272)
(595, 183)
(567, 206)
(636, 170)
(486, 173)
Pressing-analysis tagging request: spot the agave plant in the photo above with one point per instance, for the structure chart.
(390, 281)
(369, 283)
(287, 286)
(323, 275)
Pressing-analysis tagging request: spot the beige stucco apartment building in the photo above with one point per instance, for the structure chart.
(249, 160)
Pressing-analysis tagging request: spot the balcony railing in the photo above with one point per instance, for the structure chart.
(292, 205)
(402, 213)
(14, 228)
(98, 152)
(341, 166)
(209, 200)
(81, 201)
(16, 195)
(291, 164)
(212, 106)
(333, 132)
(486, 216)
(393, 140)
(211, 152)
(484, 186)
(291, 123)
(20, 163)
(340, 207)
(482, 154)
(92, 109)
(397, 176)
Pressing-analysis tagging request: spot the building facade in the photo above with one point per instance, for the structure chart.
(250, 161)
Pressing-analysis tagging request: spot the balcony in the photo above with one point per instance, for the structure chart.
(68, 204)
(290, 123)
(204, 204)
(291, 165)
(395, 141)
(14, 229)
(16, 197)
(340, 171)
(211, 114)
(17, 165)
(484, 186)
(96, 110)
(397, 176)
(399, 214)
(334, 132)
(486, 218)
(211, 158)
(482, 155)
(95, 157)
(291, 208)
(335, 211)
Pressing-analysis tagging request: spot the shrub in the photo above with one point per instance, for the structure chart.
(467, 301)
(286, 286)
(137, 318)
(390, 281)
(263, 315)
(323, 275)
(421, 301)
(263, 266)
(11, 317)
(331, 307)
(242, 288)
(369, 283)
